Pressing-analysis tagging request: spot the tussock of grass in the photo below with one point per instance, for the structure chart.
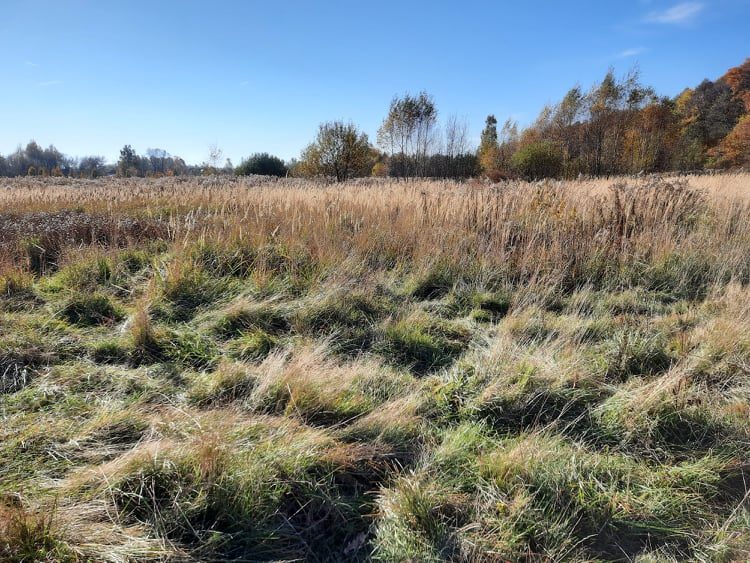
(348, 318)
(247, 316)
(185, 288)
(87, 274)
(31, 535)
(269, 485)
(112, 351)
(421, 343)
(435, 282)
(320, 390)
(230, 382)
(489, 307)
(17, 291)
(91, 310)
(632, 352)
(145, 344)
(254, 345)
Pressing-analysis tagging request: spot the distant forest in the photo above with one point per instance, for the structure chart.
(618, 126)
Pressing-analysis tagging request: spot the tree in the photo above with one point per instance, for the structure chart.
(128, 163)
(489, 149)
(734, 149)
(339, 151)
(408, 133)
(738, 79)
(538, 160)
(91, 166)
(158, 159)
(262, 164)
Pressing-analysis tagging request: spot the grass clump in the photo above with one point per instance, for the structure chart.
(189, 348)
(17, 291)
(145, 345)
(112, 351)
(348, 318)
(434, 283)
(230, 382)
(418, 522)
(254, 345)
(422, 343)
(489, 307)
(87, 274)
(321, 390)
(270, 487)
(522, 397)
(184, 289)
(243, 317)
(610, 503)
(631, 352)
(91, 310)
(31, 535)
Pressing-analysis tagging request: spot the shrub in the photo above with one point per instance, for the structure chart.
(262, 164)
(538, 160)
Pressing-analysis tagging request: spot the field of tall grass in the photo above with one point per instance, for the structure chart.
(218, 369)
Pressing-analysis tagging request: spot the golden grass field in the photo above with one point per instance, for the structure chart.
(218, 369)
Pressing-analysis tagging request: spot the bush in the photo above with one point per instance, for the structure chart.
(262, 164)
(538, 160)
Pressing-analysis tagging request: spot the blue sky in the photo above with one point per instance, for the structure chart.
(91, 75)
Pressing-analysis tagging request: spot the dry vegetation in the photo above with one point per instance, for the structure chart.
(217, 369)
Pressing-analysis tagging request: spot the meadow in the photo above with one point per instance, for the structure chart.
(217, 369)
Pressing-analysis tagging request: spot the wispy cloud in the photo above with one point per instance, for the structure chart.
(49, 83)
(29, 63)
(677, 14)
(244, 83)
(632, 52)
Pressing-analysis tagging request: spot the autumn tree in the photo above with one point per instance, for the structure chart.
(340, 151)
(489, 149)
(734, 149)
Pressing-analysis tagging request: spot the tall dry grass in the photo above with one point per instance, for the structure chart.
(559, 232)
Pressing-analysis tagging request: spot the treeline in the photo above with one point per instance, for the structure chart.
(33, 160)
(618, 126)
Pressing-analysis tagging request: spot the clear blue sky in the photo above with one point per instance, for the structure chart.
(91, 75)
